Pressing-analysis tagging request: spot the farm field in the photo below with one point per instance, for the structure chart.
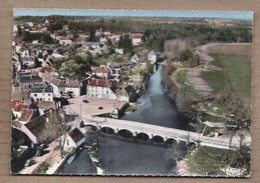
(241, 49)
(236, 73)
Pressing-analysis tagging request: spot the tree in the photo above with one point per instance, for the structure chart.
(125, 42)
(55, 27)
(47, 39)
(92, 36)
(186, 55)
(37, 63)
(26, 36)
(19, 31)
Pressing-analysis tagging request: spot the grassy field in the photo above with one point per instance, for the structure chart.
(236, 73)
(205, 161)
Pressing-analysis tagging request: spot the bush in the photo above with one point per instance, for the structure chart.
(42, 169)
(186, 55)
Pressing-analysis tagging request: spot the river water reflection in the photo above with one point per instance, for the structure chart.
(119, 157)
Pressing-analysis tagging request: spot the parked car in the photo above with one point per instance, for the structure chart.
(39, 150)
(85, 101)
(232, 126)
(29, 162)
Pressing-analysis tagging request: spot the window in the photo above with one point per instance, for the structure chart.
(35, 95)
(68, 142)
(49, 94)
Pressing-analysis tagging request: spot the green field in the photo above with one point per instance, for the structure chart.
(236, 73)
(206, 161)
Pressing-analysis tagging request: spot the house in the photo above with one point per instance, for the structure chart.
(101, 88)
(106, 32)
(17, 107)
(58, 86)
(119, 51)
(28, 61)
(27, 80)
(56, 56)
(135, 58)
(91, 45)
(35, 42)
(27, 116)
(98, 32)
(153, 56)
(116, 67)
(73, 140)
(72, 87)
(65, 41)
(115, 37)
(41, 92)
(136, 39)
(138, 57)
(127, 94)
(16, 42)
(43, 70)
(100, 72)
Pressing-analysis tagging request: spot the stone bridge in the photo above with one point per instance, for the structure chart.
(156, 134)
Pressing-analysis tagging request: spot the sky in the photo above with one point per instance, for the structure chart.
(134, 13)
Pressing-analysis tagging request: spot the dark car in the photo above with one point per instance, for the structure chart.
(85, 101)
(29, 162)
(39, 150)
(232, 126)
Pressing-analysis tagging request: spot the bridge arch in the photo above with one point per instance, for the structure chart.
(193, 144)
(107, 130)
(142, 136)
(183, 142)
(90, 128)
(158, 139)
(171, 141)
(125, 133)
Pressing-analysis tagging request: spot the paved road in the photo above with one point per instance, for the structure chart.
(40, 159)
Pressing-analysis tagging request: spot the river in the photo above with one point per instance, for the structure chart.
(119, 157)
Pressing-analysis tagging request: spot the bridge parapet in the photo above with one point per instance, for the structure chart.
(155, 133)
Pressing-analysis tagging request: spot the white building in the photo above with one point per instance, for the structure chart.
(99, 88)
(152, 56)
(58, 87)
(72, 87)
(101, 72)
(41, 92)
(65, 42)
(127, 94)
(28, 60)
(73, 140)
(119, 51)
(91, 45)
(136, 39)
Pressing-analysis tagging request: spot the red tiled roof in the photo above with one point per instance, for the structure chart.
(17, 124)
(26, 115)
(137, 36)
(44, 69)
(99, 70)
(99, 83)
(15, 102)
(18, 104)
(76, 135)
(116, 34)
(17, 40)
